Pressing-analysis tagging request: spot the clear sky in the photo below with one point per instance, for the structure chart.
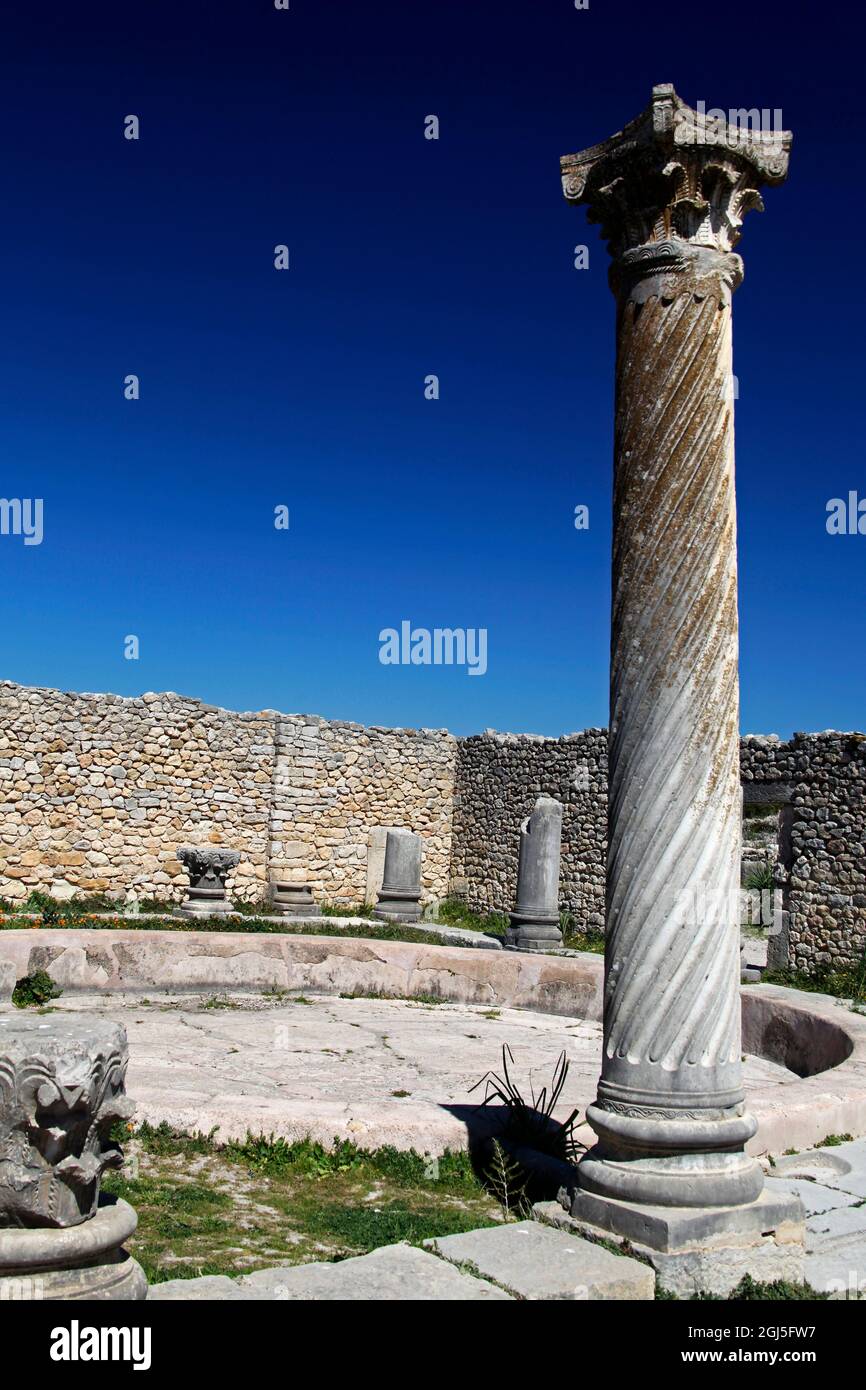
(305, 388)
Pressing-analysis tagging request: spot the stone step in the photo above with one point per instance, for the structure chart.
(536, 1262)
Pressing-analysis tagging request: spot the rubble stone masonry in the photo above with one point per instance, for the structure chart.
(98, 791)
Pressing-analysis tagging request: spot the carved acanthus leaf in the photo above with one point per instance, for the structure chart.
(674, 173)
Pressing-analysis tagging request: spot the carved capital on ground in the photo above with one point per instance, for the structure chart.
(61, 1094)
(208, 865)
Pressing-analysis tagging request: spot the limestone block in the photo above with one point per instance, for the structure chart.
(532, 1261)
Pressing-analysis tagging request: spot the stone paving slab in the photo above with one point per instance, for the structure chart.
(753, 952)
(208, 1288)
(535, 1262)
(394, 1273)
(839, 1165)
(841, 1224)
(835, 1234)
(836, 1251)
(814, 1196)
(842, 1166)
(839, 1269)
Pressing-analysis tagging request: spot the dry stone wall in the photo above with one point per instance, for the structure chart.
(334, 782)
(498, 779)
(815, 783)
(819, 781)
(98, 791)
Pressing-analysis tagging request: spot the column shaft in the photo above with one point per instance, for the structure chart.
(671, 1072)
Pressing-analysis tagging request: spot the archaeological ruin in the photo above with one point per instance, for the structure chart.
(99, 791)
(304, 946)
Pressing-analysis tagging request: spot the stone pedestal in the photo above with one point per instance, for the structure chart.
(670, 192)
(697, 1249)
(400, 894)
(79, 1262)
(61, 1094)
(208, 868)
(535, 919)
(293, 899)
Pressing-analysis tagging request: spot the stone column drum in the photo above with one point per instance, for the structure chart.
(670, 192)
(400, 894)
(208, 867)
(293, 899)
(535, 919)
(61, 1094)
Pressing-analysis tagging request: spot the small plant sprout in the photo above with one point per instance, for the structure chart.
(531, 1123)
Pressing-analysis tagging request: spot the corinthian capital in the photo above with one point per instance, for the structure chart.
(677, 174)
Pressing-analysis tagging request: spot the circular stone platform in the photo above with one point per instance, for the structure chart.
(375, 1071)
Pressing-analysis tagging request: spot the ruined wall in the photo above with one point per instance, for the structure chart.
(815, 783)
(498, 779)
(820, 781)
(334, 781)
(98, 791)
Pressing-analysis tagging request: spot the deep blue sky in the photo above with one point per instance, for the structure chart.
(409, 257)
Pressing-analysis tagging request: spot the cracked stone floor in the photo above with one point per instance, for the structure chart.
(376, 1071)
(381, 1071)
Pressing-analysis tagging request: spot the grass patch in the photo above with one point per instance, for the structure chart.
(762, 879)
(758, 810)
(578, 938)
(421, 998)
(364, 1228)
(206, 1208)
(68, 916)
(751, 1290)
(847, 982)
(347, 910)
(454, 913)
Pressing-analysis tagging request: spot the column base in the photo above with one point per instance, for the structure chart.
(671, 1158)
(87, 1261)
(293, 899)
(392, 914)
(210, 907)
(398, 906)
(696, 1249)
(524, 934)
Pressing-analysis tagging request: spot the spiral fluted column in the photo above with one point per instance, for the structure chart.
(671, 1076)
(670, 193)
